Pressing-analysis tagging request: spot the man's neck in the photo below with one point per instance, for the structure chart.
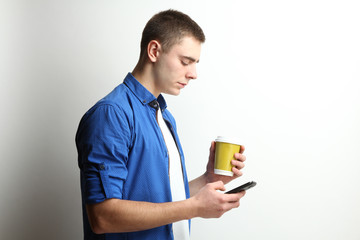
(144, 76)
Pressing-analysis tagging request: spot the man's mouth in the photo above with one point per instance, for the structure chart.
(182, 84)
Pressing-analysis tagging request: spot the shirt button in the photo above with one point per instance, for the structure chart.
(102, 167)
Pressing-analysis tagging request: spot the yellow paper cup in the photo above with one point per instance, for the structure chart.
(225, 149)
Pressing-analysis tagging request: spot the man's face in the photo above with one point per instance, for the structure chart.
(177, 67)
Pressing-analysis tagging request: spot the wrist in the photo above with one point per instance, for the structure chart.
(193, 207)
(208, 177)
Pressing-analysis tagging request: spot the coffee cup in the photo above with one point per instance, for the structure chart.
(225, 149)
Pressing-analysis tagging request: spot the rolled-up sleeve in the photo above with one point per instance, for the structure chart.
(103, 141)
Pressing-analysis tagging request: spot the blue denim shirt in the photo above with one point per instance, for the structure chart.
(122, 154)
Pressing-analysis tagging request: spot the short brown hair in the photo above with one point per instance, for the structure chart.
(169, 27)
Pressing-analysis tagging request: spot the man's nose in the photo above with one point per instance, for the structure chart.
(192, 74)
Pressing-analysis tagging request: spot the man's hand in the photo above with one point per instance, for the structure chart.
(212, 204)
(117, 215)
(238, 165)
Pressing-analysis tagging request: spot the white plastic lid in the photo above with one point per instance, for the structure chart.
(232, 140)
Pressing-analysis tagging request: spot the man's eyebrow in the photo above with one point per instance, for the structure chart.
(191, 59)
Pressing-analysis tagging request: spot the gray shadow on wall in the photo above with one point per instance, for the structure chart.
(43, 198)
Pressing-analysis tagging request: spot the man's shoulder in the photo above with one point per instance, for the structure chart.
(119, 98)
(119, 102)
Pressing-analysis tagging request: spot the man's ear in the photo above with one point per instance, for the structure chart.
(153, 50)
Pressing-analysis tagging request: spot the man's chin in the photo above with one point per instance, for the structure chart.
(173, 93)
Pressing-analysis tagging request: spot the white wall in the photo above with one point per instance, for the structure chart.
(282, 75)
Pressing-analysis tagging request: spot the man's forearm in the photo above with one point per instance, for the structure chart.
(196, 184)
(115, 215)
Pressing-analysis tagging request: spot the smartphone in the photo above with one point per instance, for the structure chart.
(243, 187)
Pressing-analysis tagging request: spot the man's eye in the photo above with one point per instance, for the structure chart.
(185, 63)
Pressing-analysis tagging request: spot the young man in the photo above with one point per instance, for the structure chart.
(133, 178)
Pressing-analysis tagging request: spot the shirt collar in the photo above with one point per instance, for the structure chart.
(144, 96)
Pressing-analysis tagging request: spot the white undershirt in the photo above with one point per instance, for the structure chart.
(181, 228)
